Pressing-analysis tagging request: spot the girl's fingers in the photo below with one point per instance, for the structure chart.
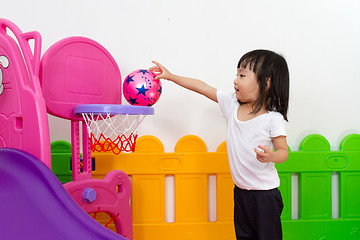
(160, 71)
(264, 148)
(261, 147)
(259, 153)
(158, 65)
(154, 69)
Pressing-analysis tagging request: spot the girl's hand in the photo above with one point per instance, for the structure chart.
(280, 154)
(263, 156)
(160, 71)
(192, 84)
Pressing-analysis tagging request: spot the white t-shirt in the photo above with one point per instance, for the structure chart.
(242, 137)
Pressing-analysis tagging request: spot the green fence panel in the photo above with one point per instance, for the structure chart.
(349, 195)
(61, 160)
(315, 164)
(315, 196)
(285, 189)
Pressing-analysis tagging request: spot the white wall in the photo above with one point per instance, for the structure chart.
(205, 39)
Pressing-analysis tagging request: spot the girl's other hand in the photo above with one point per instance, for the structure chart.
(263, 155)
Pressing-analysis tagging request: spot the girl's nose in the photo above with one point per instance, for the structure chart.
(235, 82)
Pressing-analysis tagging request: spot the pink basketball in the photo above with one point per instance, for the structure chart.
(141, 88)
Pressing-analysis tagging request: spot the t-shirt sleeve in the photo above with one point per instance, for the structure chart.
(277, 127)
(225, 100)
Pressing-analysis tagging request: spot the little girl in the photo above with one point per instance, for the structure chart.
(256, 139)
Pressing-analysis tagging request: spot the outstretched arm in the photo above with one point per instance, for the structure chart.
(188, 83)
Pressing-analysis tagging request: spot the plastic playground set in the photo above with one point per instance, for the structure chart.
(55, 191)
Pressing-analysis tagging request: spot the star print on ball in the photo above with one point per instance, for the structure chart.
(141, 88)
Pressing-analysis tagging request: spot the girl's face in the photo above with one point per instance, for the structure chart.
(246, 86)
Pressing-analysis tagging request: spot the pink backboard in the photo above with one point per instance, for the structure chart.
(78, 70)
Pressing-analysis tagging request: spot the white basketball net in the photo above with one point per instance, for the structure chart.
(116, 133)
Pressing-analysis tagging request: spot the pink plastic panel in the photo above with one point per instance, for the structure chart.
(110, 195)
(78, 70)
(23, 116)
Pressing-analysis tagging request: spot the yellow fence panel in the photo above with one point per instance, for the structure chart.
(190, 166)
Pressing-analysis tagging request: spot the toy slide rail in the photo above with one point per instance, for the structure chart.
(191, 165)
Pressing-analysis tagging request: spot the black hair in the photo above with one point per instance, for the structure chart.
(269, 65)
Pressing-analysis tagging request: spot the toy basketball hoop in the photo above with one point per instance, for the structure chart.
(112, 127)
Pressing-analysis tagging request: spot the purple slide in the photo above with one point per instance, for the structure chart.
(35, 205)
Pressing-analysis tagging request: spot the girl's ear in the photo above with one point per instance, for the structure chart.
(268, 83)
